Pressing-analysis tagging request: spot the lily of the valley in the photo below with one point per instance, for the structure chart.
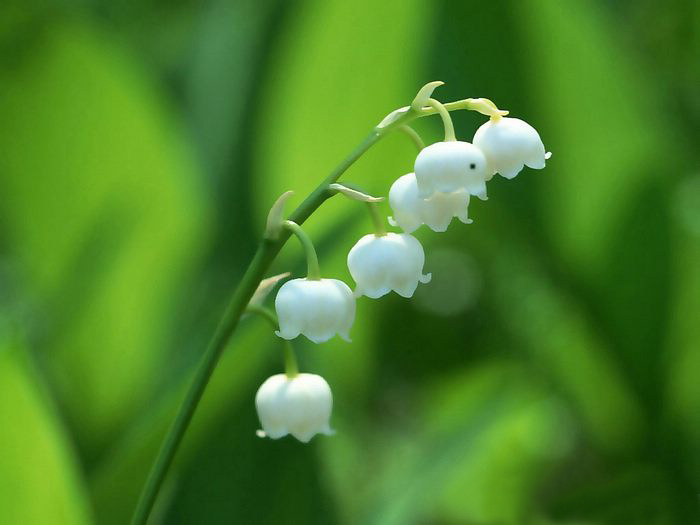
(382, 263)
(509, 144)
(450, 166)
(299, 405)
(316, 308)
(437, 211)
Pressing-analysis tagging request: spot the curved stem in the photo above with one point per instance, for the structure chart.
(265, 313)
(313, 269)
(256, 271)
(377, 220)
(470, 104)
(413, 134)
(291, 368)
(446, 119)
(258, 267)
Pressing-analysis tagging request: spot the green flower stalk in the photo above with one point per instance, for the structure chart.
(322, 296)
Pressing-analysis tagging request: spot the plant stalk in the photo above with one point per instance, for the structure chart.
(258, 267)
(256, 271)
(377, 219)
(291, 367)
(414, 136)
(446, 119)
(313, 271)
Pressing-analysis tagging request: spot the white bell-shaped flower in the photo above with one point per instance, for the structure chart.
(299, 405)
(318, 309)
(451, 166)
(382, 263)
(410, 211)
(508, 145)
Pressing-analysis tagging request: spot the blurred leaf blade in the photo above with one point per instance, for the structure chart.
(481, 452)
(40, 480)
(137, 204)
(563, 341)
(683, 389)
(603, 145)
(116, 482)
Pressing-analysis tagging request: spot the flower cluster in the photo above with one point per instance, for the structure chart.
(446, 175)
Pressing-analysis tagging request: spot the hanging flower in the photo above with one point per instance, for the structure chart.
(380, 264)
(451, 166)
(316, 308)
(299, 405)
(410, 211)
(508, 145)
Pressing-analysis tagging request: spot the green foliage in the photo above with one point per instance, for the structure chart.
(40, 481)
(547, 375)
(94, 186)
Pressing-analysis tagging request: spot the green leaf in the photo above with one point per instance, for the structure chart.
(103, 208)
(485, 437)
(638, 494)
(597, 115)
(40, 480)
(553, 327)
(227, 55)
(116, 482)
(342, 72)
(683, 387)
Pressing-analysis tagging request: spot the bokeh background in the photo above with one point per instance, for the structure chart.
(550, 373)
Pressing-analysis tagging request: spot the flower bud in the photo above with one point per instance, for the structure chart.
(508, 145)
(410, 211)
(299, 405)
(380, 264)
(450, 166)
(317, 309)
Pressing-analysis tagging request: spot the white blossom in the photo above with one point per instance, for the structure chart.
(451, 166)
(410, 211)
(509, 144)
(299, 405)
(317, 309)
(382, 263)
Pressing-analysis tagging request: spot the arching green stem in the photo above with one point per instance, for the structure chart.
(377, 220)
(265, 313)
(267, 250)
(314, 271)
(446, 119)
(413, 134)
(291, 368)
(259, 265)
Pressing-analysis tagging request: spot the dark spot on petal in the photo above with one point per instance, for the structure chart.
(472, 166)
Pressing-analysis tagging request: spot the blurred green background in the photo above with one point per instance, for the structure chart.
(550, 373)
